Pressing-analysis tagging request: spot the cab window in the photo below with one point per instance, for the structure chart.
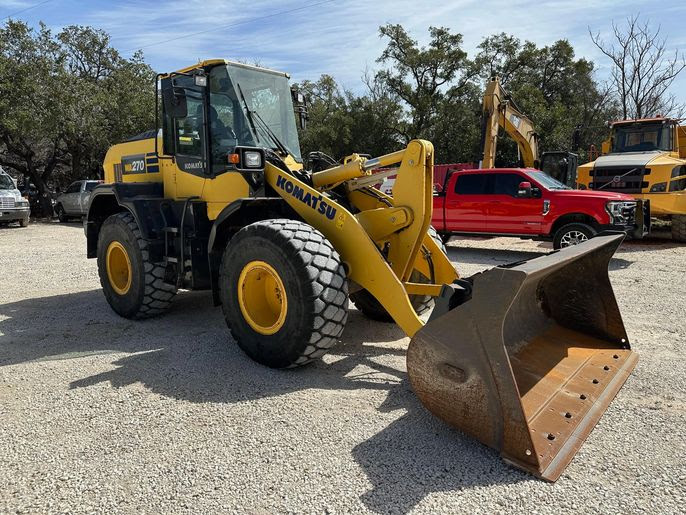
(506, 184)
(74, 187)
(225, 118)
(471, 184)
(186, 135)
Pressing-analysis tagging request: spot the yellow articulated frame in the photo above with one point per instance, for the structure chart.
(350, 234)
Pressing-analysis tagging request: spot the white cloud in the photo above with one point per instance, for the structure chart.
(341, 37)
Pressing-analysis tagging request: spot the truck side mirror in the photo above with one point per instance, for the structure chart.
(524, 190)
(174, 100)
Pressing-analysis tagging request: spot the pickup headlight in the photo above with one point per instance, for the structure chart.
(617, 209)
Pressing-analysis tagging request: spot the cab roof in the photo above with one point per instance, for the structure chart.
(655, 119)
(214, 62)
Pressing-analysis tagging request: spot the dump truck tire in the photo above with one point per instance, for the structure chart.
(284, 292)
(572, 234)
(133, 285)
(372, 308)
(679, 227)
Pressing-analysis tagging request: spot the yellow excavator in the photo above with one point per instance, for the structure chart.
(500, 110)
(525, 357)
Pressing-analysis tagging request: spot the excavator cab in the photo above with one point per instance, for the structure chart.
(561, 165)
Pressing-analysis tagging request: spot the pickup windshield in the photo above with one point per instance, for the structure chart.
(642, 137)
(6, 182)
(547, 181)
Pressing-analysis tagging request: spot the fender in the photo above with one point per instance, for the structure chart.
(233, 217)
(142, 199)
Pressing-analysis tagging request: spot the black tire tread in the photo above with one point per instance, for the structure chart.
(158, 295)
(557, 237)
(679, 228)
(365, 302)
(324, 270)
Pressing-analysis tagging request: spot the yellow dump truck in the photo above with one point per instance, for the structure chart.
(647, 159)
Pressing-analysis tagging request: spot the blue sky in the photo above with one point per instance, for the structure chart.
(339, 37)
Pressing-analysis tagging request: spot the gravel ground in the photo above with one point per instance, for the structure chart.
(102, 414)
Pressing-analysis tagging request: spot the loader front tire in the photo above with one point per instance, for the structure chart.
(679, 228)
(133, 285)
(372, 308)
(284, 292)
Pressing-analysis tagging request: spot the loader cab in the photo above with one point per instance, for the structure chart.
(223, 117)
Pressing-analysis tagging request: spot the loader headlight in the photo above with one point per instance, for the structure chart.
(252, 159)
(619, 210)
(659, 187)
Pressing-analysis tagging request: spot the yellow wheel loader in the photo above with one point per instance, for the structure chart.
(524, 357)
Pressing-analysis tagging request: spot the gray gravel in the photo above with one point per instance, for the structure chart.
(101, 414)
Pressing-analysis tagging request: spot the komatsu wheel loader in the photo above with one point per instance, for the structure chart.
(525, 357)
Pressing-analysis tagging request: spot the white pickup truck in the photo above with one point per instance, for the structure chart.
(73, 203)
(13, 207)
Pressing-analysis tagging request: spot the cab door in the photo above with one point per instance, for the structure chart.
(509, 213)
(70, 198)
(184, 138)
(465, 206)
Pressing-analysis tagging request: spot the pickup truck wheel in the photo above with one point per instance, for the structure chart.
(679, 227)
(572, 234)
(24, 222)
(61, 215)
(372, 308)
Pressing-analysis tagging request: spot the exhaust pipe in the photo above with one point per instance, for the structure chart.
(529, 363)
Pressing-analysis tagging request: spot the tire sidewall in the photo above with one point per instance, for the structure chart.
(115, 229)
(579, 227)
(282, 348)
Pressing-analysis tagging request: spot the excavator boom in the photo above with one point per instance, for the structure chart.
(499, 110)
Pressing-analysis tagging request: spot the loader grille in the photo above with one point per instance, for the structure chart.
(621, 179)
(7, 202)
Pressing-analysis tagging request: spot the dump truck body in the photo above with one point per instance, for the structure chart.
(218, 199)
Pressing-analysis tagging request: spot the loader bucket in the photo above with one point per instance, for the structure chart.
(531, 361)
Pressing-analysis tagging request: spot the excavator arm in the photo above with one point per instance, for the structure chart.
(500, 110)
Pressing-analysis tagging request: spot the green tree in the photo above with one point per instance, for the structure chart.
(554, 88)
(65, 99)
(424, 78)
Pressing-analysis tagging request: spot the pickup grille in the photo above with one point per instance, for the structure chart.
(6, 202)
(621, 179)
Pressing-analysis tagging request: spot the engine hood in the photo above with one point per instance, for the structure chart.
(593, 195)
(15, 194)
(627, 159)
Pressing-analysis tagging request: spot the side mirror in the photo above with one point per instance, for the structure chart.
(175, 102)
(524, 190)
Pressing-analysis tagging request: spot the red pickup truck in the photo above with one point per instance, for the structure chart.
(529, 204)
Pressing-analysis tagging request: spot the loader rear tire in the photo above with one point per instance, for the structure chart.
(372, 308)
(679, 228)
(284, 292)
(133, 285)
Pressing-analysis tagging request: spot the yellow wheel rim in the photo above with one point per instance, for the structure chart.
(262, 297)
(119, 268)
